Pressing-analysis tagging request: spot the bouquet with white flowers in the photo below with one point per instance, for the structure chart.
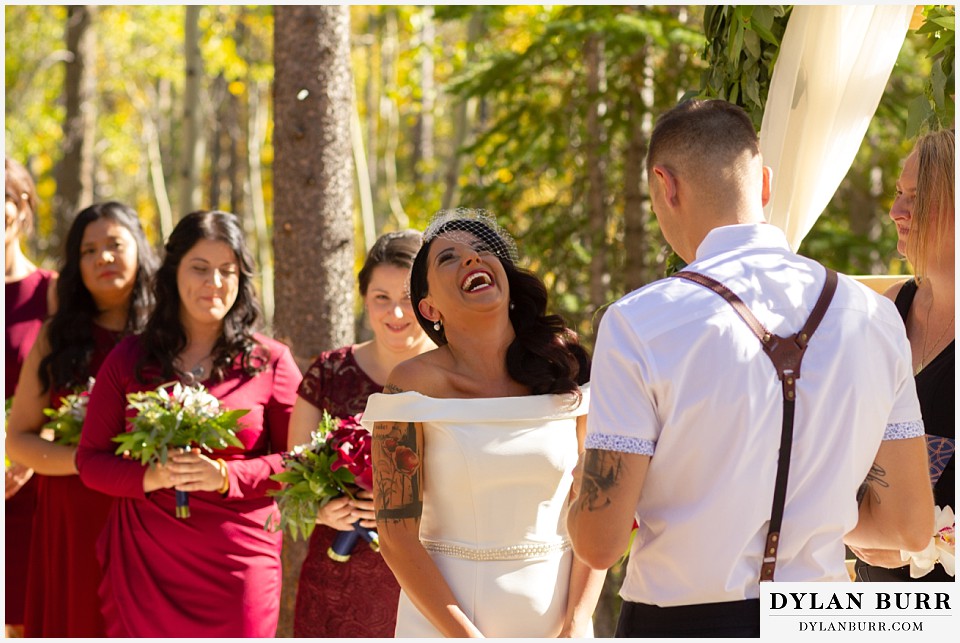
(183, 417)
(67, 420)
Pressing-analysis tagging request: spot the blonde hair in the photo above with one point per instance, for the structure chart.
(933, 209)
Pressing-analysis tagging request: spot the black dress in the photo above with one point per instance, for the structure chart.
(935, 390)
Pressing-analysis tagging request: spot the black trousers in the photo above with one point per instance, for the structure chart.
(735, 619)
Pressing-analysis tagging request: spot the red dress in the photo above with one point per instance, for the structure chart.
(62, 596)
(25, 309)
(357, 598)
(217, 573)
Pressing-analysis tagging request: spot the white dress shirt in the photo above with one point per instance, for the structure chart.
(679, 376)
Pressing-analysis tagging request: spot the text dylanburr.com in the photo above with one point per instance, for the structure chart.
(905, 611)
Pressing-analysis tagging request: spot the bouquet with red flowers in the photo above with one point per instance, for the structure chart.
(336, 462)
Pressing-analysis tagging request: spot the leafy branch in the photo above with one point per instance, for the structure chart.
(743, 42)
(934, 110)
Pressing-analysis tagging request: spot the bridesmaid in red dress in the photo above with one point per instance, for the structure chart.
(103, 293)
(216, 573)
(356, 598)
(30, 297)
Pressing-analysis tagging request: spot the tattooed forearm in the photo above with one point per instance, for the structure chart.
(874, 479)
(398, 491)
(413, 510)
(392, 388)
(601, 472)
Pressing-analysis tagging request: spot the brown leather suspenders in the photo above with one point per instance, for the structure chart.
(786, 353)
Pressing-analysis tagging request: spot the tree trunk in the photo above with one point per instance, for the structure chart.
(462, 116)
(596, 166)
(151, 140)
(217, 138)
(391, 116)
(364, 189)
(313, 201)
(75, 171)
(636, 211)
(256, 133)
(424, 157)
(372, 101)
(236, 157)
(192, 152)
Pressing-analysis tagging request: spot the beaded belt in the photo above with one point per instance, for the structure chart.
(510, 552)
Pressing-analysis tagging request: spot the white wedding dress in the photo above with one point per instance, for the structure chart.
(496, 475)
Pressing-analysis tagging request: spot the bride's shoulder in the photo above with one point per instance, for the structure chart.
(424, 374)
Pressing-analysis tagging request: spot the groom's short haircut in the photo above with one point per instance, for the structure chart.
(703, 138)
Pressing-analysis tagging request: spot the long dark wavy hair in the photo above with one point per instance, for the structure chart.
(545, 355)
(165, 338)
(71, 328)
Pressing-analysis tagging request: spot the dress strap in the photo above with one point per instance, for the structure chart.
(905, 297)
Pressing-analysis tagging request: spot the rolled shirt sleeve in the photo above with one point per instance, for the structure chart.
(623, 414)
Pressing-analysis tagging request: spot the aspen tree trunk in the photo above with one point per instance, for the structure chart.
(218, 136)
(151, 139)
(237, 158)
(372, 102)
(424, 156)
(256, 133)
(462, 117)
(391, 116)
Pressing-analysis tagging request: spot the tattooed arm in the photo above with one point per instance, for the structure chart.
(604, 498)
(896, 500)
(398, 502)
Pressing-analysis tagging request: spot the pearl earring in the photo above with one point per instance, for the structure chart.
(436, 325)
(512, 305)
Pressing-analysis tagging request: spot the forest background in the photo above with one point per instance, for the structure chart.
(371, 118)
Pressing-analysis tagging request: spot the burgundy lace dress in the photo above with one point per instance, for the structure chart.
(357, 598)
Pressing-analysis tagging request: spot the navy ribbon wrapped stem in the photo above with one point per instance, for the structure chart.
(345, 542)
(183, 504)
(183, 498)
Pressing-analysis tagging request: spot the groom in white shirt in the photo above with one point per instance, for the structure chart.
(688, 412)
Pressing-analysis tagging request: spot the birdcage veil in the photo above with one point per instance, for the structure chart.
(478, 223)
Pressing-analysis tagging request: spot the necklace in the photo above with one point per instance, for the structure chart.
(195, 374)
(924, 354)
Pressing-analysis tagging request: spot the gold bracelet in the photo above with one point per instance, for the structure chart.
(226, 476)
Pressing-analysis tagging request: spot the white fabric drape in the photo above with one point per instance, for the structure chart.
(833, 65)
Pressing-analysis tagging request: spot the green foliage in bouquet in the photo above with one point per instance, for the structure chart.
(67, 420)
(315, 473)
(184, 416)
